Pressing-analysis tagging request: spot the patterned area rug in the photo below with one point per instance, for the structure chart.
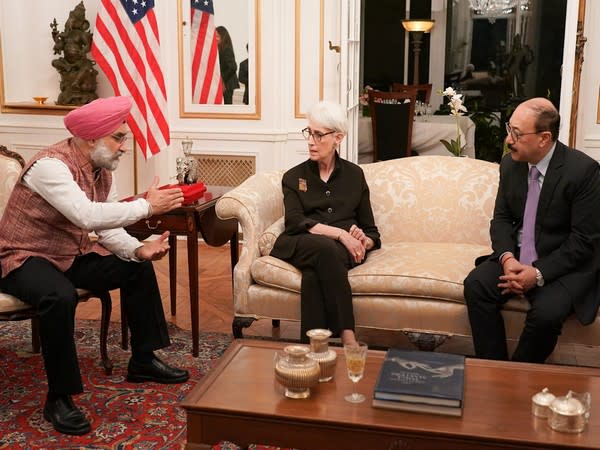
(124, 415)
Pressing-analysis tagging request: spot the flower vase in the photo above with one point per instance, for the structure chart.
(366, 112)
(320, 352)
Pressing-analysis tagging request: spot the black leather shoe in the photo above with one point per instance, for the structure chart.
(65, 416)
(155, 370)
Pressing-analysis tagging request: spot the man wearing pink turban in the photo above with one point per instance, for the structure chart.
(63, 193)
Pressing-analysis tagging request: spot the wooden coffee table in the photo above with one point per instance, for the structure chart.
(240, 401)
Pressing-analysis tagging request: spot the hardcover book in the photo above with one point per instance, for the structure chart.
(418, 407)
(429, 378)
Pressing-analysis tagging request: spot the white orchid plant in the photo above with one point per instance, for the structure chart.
(457, 109)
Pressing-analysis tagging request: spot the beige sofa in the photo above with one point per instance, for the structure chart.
(433, 213)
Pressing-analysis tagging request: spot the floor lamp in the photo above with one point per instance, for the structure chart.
(417, 27)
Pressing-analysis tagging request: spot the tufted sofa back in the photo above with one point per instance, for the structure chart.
(433, 199)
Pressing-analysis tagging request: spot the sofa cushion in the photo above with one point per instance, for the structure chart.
(267, 239)
(406, 269)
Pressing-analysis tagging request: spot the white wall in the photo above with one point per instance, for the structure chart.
(274, 139)
(588, 129)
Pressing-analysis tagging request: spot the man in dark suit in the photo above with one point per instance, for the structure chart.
(554, 266)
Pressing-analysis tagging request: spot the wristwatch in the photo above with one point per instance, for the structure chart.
(539, 278)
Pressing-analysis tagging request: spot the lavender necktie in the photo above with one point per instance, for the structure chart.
(528, 252)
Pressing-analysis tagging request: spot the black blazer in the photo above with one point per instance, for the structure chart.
(341, 202)
(567, 228)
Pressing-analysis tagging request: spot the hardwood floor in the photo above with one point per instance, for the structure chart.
(216, 310)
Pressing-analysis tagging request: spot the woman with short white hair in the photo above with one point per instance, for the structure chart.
(329, 224)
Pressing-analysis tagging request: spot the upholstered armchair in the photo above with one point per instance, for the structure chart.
(12, 308)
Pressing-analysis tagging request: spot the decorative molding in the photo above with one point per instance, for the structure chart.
(298, 114)
(257, 82)
(577, 67)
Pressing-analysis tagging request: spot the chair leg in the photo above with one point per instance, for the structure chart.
(124, 337)
(35, 334)
(104, 324)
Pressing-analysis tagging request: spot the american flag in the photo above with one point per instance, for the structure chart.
(206, 73)
(126, 47)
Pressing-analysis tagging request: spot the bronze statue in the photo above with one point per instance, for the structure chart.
(77, 73)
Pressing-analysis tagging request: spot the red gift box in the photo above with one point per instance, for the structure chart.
(191, 192)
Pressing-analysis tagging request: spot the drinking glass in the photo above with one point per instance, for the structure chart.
(428, 111)
(356, 356)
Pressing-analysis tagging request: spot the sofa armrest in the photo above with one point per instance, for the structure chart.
(256, 204)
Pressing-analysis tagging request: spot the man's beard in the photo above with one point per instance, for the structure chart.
(102, 157)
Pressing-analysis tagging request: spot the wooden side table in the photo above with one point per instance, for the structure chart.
(188, 221)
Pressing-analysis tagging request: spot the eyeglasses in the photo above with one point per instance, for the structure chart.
(119, 138)
(307, 133)
(516, 135)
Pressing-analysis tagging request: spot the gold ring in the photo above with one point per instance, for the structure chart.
(358, 253)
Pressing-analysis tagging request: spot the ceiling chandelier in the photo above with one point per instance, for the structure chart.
(493, 8)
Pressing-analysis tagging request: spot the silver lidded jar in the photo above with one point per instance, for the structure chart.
(295, 371)
(320, 352)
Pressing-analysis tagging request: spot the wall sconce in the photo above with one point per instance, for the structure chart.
(417, 27)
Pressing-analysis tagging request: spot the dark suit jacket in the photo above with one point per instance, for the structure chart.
(341, 202)
(243, 78)
(228, 69)
(567, 228)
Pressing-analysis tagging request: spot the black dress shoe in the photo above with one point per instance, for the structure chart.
(155, 370)
(65, 416)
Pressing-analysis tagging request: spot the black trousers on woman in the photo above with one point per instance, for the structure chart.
(326, 297)
(38, 283)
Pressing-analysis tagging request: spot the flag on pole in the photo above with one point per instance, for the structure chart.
(126, 47)
(206, 73)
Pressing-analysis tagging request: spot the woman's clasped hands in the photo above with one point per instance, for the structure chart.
(356, 243)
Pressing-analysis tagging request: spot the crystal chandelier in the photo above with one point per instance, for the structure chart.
(493, 8)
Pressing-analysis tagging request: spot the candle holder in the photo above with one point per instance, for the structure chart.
(188, 170)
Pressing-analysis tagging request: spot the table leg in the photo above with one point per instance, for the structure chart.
(194, 279)
(173, 272)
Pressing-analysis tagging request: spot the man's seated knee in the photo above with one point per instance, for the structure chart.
(59, 299)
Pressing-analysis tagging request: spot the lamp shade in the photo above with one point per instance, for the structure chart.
(424, 25)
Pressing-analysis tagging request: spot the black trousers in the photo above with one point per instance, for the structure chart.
(550, 306)
(227, 97)
(53, 292)
(326, 297)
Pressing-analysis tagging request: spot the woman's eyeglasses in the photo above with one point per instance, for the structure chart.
(307, 133)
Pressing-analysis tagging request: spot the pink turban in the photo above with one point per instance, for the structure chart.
(98, 118)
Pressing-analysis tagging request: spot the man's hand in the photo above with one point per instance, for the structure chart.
(164, 200)
(518, 278)
(154, 250)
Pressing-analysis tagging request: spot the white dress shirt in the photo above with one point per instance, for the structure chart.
(53, 181)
